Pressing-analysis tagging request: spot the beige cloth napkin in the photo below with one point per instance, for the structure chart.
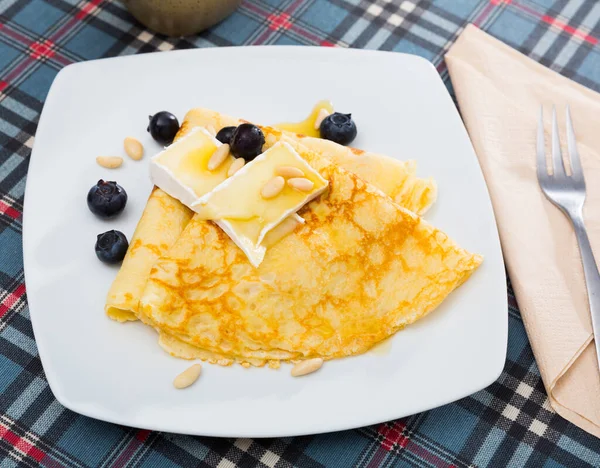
(499, 92)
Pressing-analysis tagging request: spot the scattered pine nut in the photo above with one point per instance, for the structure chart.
(188, 376)
(284, 228)
(109, 162)
(218, 157)
(323, 113)
(133, 148)
(289, 171)
(235, 166)
(273, 187)
(307, 367)
(301, 183)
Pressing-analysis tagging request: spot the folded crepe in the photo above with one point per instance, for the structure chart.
(360, 268)
(357, 271)
(161, 224)
(165, 218)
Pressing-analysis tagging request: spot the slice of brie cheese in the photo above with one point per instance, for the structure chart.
(238, 232)
(181, 170)
(238, 207)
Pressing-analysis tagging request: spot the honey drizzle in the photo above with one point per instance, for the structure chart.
(307, 126)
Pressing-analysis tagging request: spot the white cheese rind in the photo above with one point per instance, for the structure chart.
(255, 253)
(164, 178)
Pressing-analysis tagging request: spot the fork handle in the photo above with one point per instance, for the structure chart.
(592, 276)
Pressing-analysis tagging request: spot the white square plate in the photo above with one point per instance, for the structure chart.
(117, 372)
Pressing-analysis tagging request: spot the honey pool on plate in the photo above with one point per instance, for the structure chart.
(307, 126)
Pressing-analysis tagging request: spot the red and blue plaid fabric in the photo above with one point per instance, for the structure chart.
(510, 423)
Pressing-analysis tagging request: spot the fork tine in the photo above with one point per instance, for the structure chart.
(557, 160)
(542, 166)
(576, 169)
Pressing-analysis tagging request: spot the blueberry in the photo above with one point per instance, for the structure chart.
(106, 199)
(247, 141)
(163, 127)
(339, 128)
(224, 135)
(111, 246)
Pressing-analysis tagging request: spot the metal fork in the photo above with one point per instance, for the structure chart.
(567, 192)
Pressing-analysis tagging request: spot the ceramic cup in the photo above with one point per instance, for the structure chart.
(180, 17)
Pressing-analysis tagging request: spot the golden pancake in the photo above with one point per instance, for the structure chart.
(164, 218)
(162, 222)
(357, 271)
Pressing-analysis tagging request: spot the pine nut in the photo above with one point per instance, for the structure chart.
(323, 113)
(284, 228)
(301, 183)
(133, 148)
(218, 157)
(273, 187)
(307, 367)
(235, 166)
(289, 171)
(188, 376)
(110, 162)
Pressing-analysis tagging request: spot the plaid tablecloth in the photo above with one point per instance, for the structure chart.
(509, 423)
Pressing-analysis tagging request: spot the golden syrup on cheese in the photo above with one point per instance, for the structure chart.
(183, 166)
(240, 202)
(307, 126)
